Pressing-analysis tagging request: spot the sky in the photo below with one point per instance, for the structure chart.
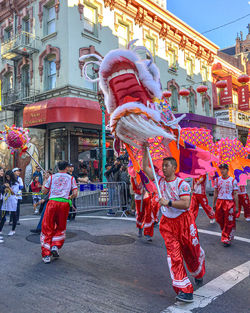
(204, 15)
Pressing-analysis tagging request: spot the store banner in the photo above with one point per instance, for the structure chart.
(226, 95)
(243, 98)
(240, 118)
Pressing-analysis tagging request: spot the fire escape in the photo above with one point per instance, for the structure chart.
(18, 46)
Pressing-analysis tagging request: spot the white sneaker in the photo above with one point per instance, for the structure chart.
(54, 251)
(248, 219)
(36, 212)
(1, 241)
(1, 237)
(11, 233)
(1, 233)
(47, 259)
(212, 221)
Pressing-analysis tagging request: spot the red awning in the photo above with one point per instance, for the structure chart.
(62, 110)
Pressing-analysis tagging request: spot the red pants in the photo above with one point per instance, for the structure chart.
(155, 207)
(244, 202)
(181, 239)
(144, 216)
(225, 216)
(54, 226)
(197, 200)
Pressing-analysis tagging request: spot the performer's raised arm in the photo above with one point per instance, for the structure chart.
(145, 161)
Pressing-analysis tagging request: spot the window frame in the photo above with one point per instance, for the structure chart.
(95, 28)
(48, 22)
(123, 25)
(48, 75)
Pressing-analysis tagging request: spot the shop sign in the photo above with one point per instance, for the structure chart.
(240, 118)
(243, 98)
(226, 93)
(225, 124)
(222, 115)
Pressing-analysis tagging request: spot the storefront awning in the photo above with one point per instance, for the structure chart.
(62, 110)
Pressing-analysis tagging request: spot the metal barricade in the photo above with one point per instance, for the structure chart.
(102, 196)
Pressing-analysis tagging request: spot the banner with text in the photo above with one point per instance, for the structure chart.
(243, 98)
(226, 93)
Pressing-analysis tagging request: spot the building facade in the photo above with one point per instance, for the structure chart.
(233, 107)
(42, 83)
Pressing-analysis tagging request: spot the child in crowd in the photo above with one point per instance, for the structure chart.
(36, 190)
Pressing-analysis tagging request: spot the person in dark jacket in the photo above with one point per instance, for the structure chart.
(112, 175)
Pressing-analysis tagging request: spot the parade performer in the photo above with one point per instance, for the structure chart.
(243, 202)
(178, 229)
(199, 197)
(55, 218)
(226, 204)
(144, 214)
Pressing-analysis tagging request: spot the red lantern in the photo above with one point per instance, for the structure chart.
(243, 79)
(221, 84)
(107, 144)
(184, 92)
(167, 94)
(201, 89)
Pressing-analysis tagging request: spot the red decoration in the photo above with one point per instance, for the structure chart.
(201, 89)
(167, 94)
(243, 79)
(107, 144)
(184, 92)
(221, 84)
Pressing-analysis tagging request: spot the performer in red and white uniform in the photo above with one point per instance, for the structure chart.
(226, 204)
(144, 214)
(178, 229)
(55, 218)
(243, 202)
(199, 197)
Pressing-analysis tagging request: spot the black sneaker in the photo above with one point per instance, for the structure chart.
(198, 281)
(140, 232)
(226, 245)
(148, 238)
(35, 231)
(185, 297)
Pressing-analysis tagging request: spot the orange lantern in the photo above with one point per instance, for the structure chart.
(221, 84)
(243, 79)
(201, 89)
(184, 92)
(167, 94)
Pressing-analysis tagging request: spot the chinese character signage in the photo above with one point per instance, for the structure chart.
(243, 98)
(226, 93)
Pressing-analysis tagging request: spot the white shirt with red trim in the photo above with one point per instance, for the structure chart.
(199, 185)
(173, 190)
(225, 187)
(242, 190)
(60, 185)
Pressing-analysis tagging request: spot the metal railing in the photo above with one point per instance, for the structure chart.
(23, 95)
(102, 196)
(22, 43)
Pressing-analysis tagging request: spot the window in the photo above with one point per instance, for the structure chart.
(172, 58)
(207, 107)
(174, 98)
(189, 67)
(204, 73)
(150, 45)
(25, 89)
(8, 34)
(26, 29)
(51, 20)
(50, 82)
(191, 100)
(123, 35)
(90, 20)
(235, 100)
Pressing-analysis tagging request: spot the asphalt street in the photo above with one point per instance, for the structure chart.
(104, 268)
